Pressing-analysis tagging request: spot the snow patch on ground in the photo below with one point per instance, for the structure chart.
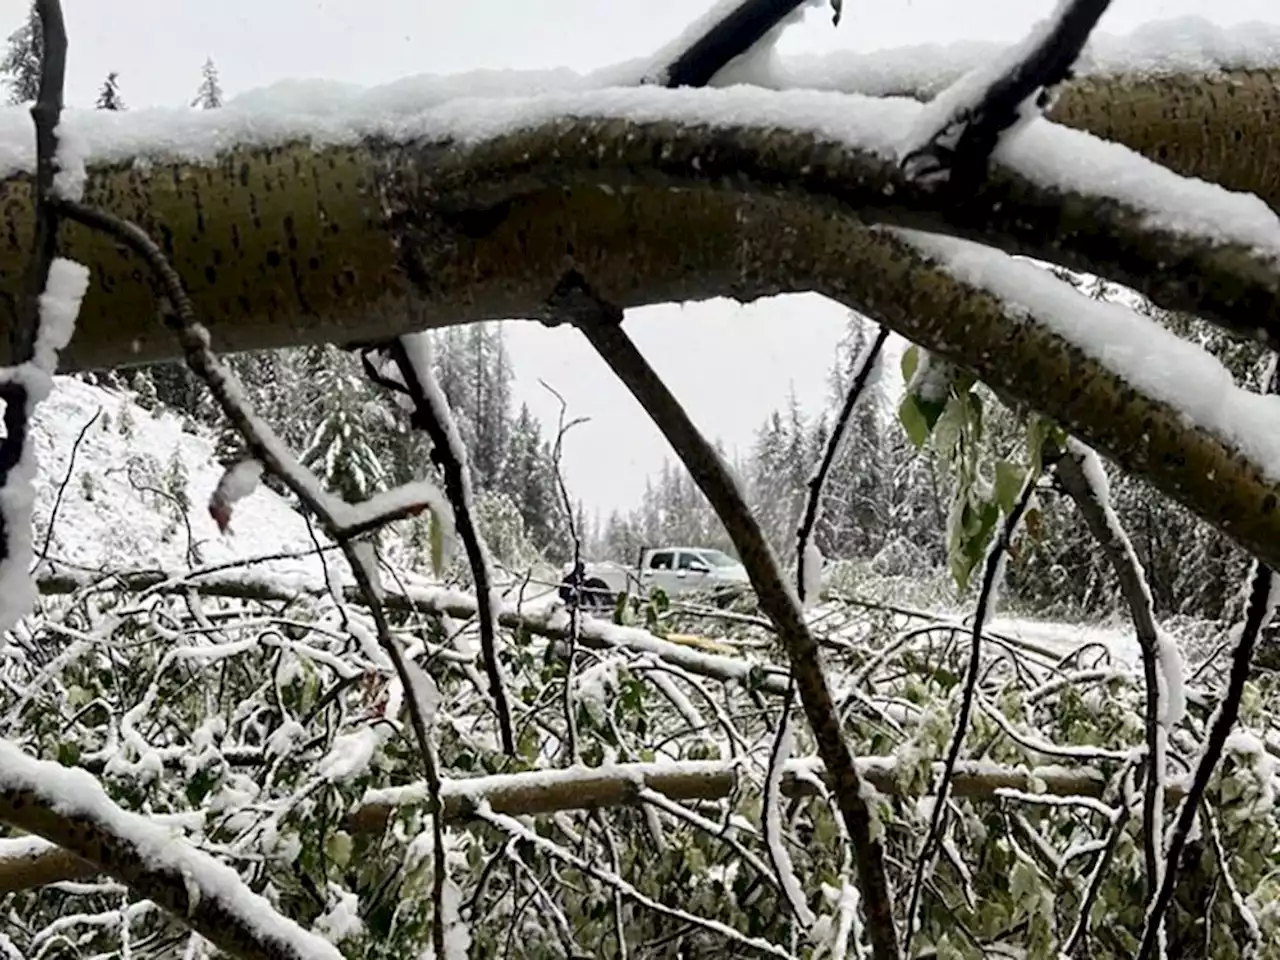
(107, 517)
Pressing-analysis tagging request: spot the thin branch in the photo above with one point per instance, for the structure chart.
(959, 148)
(576, 578)
(515, 828)
(1262, 600)
(866, 366)
(431, 414)
(986, 598)
(62, 487)
(1248, 919)
(604, 331)
(1080, 474)
(1080, 931)
(771, 815)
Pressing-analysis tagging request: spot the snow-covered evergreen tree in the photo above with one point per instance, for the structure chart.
(529, 479)
(21, 64)
(348, 424)
(109, 96)
(209, 95)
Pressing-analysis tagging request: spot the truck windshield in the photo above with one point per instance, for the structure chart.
(718, 559)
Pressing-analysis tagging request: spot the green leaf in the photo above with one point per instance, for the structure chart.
(1009, 479)
(527, 743)
(910, 361)
(338, 847)
(949, 427)
(913, 421)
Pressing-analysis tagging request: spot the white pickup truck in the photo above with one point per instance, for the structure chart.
(675, 570)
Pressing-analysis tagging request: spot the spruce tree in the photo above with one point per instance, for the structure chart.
(21, 63)
(109, 96)
(209, 96)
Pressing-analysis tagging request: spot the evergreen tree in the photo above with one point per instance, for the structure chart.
(109, 96)
(350, 425)
(854, 518)
(21, 63)
(209, 96)
(529, 479)
(474, 371)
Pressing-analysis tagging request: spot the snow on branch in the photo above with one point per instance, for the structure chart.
(1082, 476)
(732, 30)
(21, 389)
(1148, 356)
(955, 136)
(1151, 217)
(29, 862)
(1264, 593)
(593, 634)
(68, 807)
(1162, 49)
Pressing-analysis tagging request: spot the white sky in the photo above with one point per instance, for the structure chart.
(730, 364)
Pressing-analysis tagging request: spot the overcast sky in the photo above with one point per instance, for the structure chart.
(730, 364)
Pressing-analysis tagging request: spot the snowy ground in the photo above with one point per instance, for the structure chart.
(109, 518)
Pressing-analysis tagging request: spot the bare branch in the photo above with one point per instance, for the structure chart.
(777, 600)
(813, 502)
(431, 414)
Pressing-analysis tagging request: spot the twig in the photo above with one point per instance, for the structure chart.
(990, 576)
(515, 828)
(1259, 609)
(604, 331)
(576, 577)
(779, 754)
(1076, 939)
(961, 148)
(431, 414)
(62, 487)
(1253, 948)
(866, 367)
(70, 808)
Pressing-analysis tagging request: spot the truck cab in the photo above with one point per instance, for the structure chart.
(678, 570)
(674, 570)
